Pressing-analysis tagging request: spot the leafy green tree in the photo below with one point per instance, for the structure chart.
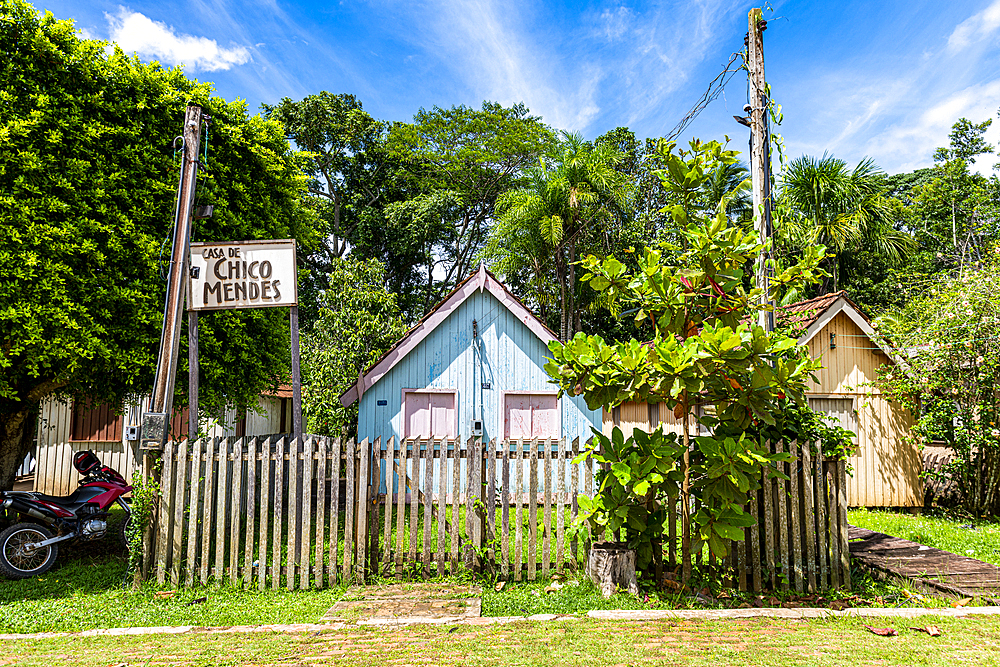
(702, 352)
(460, 160)
(352, 178)
(542, 225)
(843, 209)
(950, 333)
(358, 321)
(88, 179)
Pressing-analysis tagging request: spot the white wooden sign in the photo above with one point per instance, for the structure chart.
(242, 274)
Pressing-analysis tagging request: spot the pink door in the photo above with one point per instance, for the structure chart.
(531, 416)
(428, 414)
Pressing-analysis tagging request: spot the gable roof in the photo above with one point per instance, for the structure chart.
(814, 314)
(480, 280)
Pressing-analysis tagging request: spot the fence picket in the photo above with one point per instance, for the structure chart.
(305, 489)
(807, 510)
(349, 459)
(221, 522)
(193, 513)
(830, 493)
(321, 457)
(279, 514)
(845, 554)
(518, 517)
(400, 506)
(753, 552)
(266, 469)
(294, 511)
(335, 456)
(574, 493)
(428, 506)
(770, 492)
(491, 502)
(560, 504)
(795, 524)
(442, 506)
(547, 520)
(177, 529)
(209, 510)
(532, 508)
(364, 483)
(413, 484)
(251, 512)
(165, 517)
(456, 481)
(388, 459)
(233, 510)
(505, 510)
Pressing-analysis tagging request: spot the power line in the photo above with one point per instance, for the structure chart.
(715, 89)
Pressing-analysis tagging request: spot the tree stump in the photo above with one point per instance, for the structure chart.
(611, 565)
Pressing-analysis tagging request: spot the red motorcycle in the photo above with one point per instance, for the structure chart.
(29, 549)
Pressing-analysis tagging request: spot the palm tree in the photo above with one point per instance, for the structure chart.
(840, 208)
(540, 226)
(728, 182)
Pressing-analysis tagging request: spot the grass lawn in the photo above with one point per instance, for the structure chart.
(586, 642)
(977, 540)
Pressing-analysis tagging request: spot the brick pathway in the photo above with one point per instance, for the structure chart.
(407, 603)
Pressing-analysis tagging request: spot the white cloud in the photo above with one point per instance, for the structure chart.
(156, 40)
(975, 28)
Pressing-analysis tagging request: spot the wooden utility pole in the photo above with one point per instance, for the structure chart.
(760, 162)
(155, 423)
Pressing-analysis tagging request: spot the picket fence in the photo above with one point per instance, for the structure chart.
(274, 512)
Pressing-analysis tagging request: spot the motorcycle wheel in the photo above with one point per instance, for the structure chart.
(15, 562)
(122, 531)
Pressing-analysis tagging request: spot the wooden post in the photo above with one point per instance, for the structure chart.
(293, 320)
(192, 375)
(760, 171)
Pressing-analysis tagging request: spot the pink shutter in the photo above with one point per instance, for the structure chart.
(517, 416)
(544, 416)
(442, 415)
(416, 411)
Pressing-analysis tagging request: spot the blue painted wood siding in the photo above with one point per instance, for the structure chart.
(507, 355)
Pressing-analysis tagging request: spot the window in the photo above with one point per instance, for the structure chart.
(837, 412)
(96, 424)
(530, 416)
(429, 414)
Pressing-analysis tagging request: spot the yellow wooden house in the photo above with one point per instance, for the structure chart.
(886, 466)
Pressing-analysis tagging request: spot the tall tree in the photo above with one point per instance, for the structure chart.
(460, 159)
(352, 177)
(574, 188)
(843, 209)
(88, 176)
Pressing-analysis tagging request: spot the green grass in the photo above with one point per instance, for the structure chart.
(980, 540)
(586, 642)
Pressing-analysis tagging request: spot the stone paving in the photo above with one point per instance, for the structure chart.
(407, 604)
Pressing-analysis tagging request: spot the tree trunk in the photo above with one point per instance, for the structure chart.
(17, 431)
(611, 566)
(686, 505)
(571, 316)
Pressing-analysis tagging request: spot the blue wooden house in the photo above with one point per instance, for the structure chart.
(474, 365)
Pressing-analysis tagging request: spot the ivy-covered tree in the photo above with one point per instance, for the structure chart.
(951, 336)
(358, 321)
(702, 352)
(88, 179)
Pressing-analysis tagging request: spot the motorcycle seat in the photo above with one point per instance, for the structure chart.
(72, 502)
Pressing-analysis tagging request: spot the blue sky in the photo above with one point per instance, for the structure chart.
(884, 79)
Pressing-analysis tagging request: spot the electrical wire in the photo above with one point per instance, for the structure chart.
(715, 88)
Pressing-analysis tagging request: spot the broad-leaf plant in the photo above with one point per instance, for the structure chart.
(701, 351)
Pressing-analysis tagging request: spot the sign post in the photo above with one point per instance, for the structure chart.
(246, 274)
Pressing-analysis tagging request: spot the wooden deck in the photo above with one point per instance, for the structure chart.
(934, 568)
